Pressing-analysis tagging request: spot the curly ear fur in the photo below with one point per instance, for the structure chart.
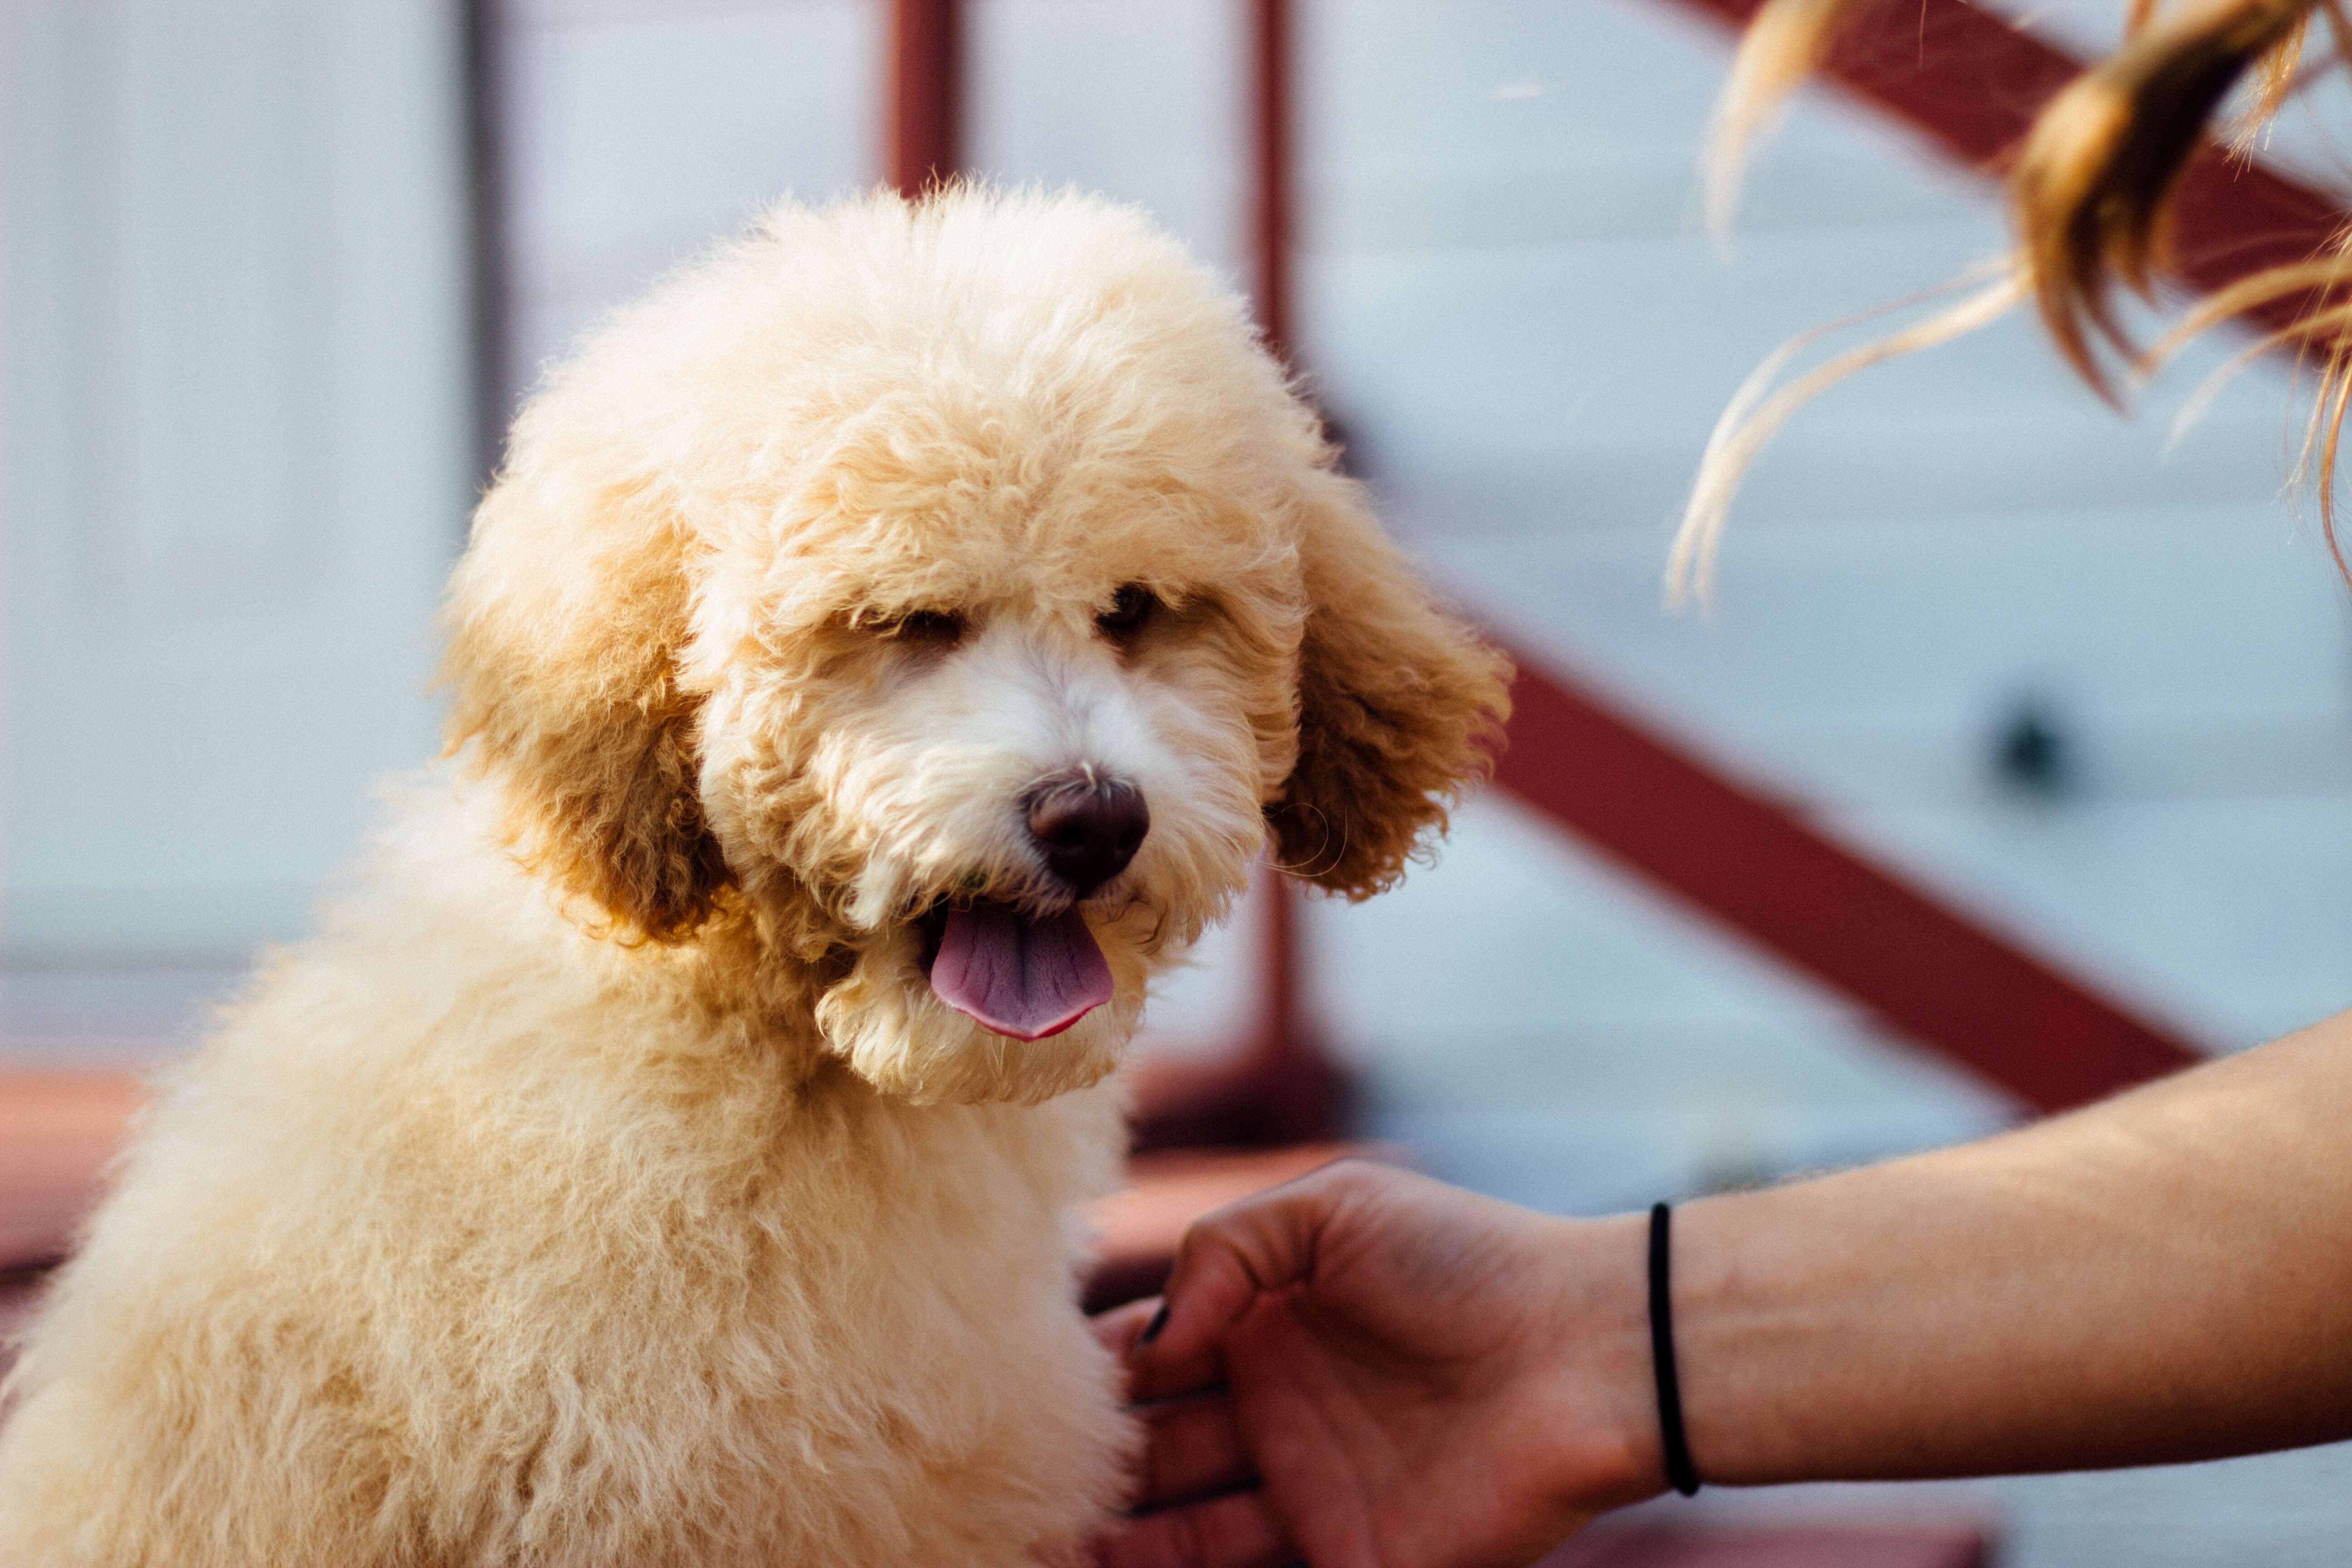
(1400, 705)
(564, 619)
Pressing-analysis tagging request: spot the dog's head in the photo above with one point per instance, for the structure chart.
(956, 596)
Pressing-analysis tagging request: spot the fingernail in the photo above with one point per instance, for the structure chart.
(1152, 1330)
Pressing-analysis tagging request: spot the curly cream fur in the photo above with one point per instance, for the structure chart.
(603, 1183)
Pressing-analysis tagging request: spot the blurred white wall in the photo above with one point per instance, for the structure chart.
(237, 458)
(638, 133)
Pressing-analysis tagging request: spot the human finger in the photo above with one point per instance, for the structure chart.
(1236, 1531)
(1118, 1327)
(1126, 1331)
(1193, 1447)
(1225, 1261)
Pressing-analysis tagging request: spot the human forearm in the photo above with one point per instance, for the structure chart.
(2158, 1278)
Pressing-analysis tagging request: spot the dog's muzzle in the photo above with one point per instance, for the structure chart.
(1026, 975)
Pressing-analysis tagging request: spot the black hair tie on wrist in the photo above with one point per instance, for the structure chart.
(1681, 1473)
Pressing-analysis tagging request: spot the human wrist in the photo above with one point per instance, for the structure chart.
(1603, 1382)
(1732, 1263)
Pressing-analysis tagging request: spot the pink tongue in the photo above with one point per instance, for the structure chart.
(1020, 977)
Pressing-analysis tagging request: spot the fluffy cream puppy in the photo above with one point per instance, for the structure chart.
(887, 646)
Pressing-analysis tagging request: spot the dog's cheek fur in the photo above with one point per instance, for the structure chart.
(564, 681)
(759, 730)
(825, 786)
(1208, 705)
(1400, 705)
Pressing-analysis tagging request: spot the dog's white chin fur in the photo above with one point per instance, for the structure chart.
(885, 1020)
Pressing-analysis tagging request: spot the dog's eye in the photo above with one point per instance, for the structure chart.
(930, 628)
(1130, 611)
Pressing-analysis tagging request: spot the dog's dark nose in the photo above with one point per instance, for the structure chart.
(1088, 829)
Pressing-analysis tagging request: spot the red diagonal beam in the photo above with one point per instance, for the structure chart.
(1932, 975)
(1971, 81)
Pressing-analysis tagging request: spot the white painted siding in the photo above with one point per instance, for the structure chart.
(238, 454)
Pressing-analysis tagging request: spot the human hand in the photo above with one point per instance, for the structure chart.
(1365, 1368)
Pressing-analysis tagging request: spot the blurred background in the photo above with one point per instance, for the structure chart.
(276, 272)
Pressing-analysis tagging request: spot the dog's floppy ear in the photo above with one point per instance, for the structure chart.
(1400, 705)
(564, 620)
